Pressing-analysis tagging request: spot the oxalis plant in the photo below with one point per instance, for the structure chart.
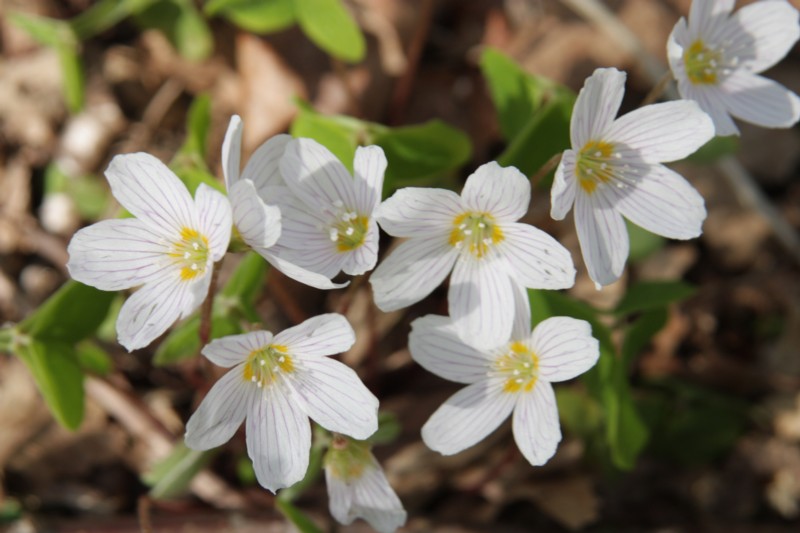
(315, 215)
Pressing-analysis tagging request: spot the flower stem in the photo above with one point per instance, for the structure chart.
(349, 295)
(545, 169)
(208, 306)
(657, 90)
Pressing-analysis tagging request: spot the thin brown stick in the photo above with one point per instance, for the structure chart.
(505, 462)
(143, 427)
(154, 113)
(143, 511)
(350, 293)
(340, 69)
(658, 89)
(545, 169)
(402, 90)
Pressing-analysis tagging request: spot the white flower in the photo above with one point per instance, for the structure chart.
(513, 376)
(252, 192)
(357, 487)
(277, 383)
(477, 236)
(328, 225)
(169, 248)
(613, 171)
(716, 59)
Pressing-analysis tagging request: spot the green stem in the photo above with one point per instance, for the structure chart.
(208, 306)
(657, 90)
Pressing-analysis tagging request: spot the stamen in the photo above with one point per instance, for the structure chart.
(478, 230)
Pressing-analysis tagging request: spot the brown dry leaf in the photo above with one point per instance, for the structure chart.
(268, 86)
(31, 100)
(22, 410)
(668, 263)
(736, 236)
(570, 501)
(164, 61)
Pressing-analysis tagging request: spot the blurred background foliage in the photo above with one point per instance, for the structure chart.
(693, 405)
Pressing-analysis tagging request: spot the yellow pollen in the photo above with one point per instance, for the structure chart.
(190, 253)
(349, 231)
(594, 165)
(475, 233)
(265, 365)
(519, 367)
(702, 63)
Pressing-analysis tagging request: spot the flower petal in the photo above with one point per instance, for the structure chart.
(521, 328)
(298, 273)
(363, 258)
(467, 417)
(536, 428)
(565, 347)
(215, 219)
(661, 132)
(411, 272)
(152, 193)
(263, 167)
(664, 203)
(234, 349)
(369, 167)
(482, 301)
(258, 224)
(374, 500)
(278, 438)
(319, 336)
(596, 106)
(562, 194)
(305, 240)
(151, 310)
(419, 212)
(117, 254)
(710, 101)
(537, 259)
(503, 192)
(602, 236)
(434, 343)
(221, 412)
(316, 176)
(765, 33)
(232, 152)
(706, 18)
(340, 498)
(333, 396)
(760, 101)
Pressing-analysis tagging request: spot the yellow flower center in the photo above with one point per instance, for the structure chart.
(702, 63)
(349, 230)
(190, 253)
(594, 165)
(519, 366)
(265, 365)
(475, 233)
